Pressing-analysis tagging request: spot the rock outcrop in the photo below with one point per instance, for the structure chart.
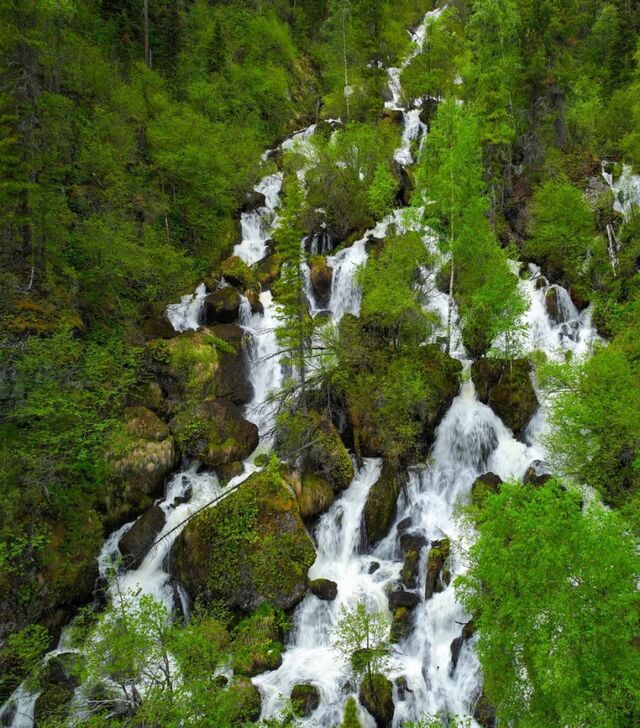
(376, 695)
(438, 573)
(381, 505)
(250, 549)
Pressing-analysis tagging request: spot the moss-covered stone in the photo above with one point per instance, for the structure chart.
(57, 681)
(376, 695)
(483, 486)
(222, 306)
(228, 471)
(305, 699)
(443, 374)
(238, 273)
(321, 274)
(214, 432)
(380, 507)
(327, 456)
(438, 573)
(324, 589)
(250, 549)
(484, 712)
(199, 364)
(506, 387)
(257, 644)
(268, 270)
(314, 495)
(401, 623)
(140, 455)
(245, 703)
(137, 541)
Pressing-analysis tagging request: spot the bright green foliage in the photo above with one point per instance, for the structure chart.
(351, 719)
(451, 181)
(362, 638)
(20, 653)
(562, 230)
(382, 191)
(596, 417)
(556, 638)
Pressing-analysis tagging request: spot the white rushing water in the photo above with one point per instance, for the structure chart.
(626, 188)
(187, 315)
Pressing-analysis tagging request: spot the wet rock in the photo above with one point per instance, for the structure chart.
(381, 504)
(484, 485)
(324, 589)
(228, 471)
(222, 306)
(428, 111)
(268, 270)
(321, 275)
(253, 200)
(404, 525)
(253, 296)
(444, 373)
(400, 598)
(413, 541)
(438, 574)
(156, 325)
(249, 549)
(237, 273)
(214, 432)
(313, 493)
(506, 387)
(406, 184)
(458, 642)
(401, 624)
(376, 695)
(200, 364)
(327, 456)
(305, 699)
(373, 567)
(402, 687)
(538, 473)
(412, 545)
(137, 541)
(140, 455)
(484, 712)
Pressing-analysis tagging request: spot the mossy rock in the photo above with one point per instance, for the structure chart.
(137, 541)
(401, 623)
(327, 456)
(438, 573)
(140, 455)
(238, 273)
(214, 432)
(305, 699)
(506, 387)
(222, 306)
(257, 644)
(483, 486)
(199, 364)
(268, 270)
(321, 274)
(57, 682)
(381, 505)
(324, 589)
(410, 569)
(250, 549)
(376, 695)
(244, 702)
(484, 712)
(228, 471)
(315, 495)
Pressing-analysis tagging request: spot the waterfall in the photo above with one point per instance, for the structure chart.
(187, 315)
(626, 189)
(257, 225)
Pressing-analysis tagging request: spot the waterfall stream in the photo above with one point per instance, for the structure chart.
(470, 440)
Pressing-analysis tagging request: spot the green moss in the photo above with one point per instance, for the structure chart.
(250, 549)
(237, 272)
(257, 644)
(380, 507)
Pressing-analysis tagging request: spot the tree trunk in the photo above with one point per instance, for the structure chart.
(145, 22)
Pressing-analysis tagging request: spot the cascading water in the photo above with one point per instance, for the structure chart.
(626, 189)
(187, 315)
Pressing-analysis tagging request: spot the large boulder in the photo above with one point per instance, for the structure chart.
(381, 504)
(401, 598)
(314, 494)
(443, 372)
(327, 455)
(483, 486)
(458, 643)
(484, 712)
(268, 269)
(324, 589)
(222, 306)
(238, 273)
(412, 545)
(305, 699)
(537, 473)
(140, 455)
(244, 702)
(200, 364)
(321, 274)
(214, 432)
(249, 549)
(506, 387)
(137, 541)
(438, 573)
(57, 682)
(376, 695)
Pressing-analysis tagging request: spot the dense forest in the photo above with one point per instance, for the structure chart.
(382, 468)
